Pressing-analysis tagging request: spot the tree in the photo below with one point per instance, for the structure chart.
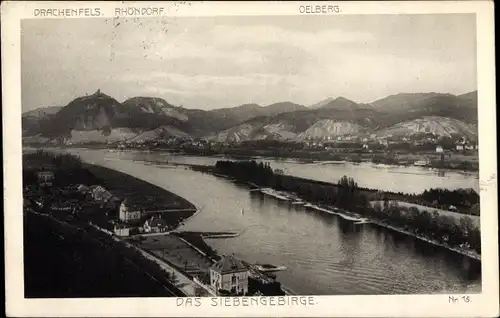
(347, 192)
(466, 225)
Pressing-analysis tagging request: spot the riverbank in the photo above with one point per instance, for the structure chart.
(67, 260)
(348, 215)
(257, 281)
(149, 198)
(464, 252)
(370, 194)
(453, 161)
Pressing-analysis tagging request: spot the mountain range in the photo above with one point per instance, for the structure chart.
(99, 117)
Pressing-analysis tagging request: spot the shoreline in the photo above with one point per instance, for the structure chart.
(346, 215)
(472, 255)
(181, 222)
(121, 183)
(184, 220)
(321, 159)
(405, 197)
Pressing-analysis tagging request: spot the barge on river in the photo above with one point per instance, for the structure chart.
(269, 268)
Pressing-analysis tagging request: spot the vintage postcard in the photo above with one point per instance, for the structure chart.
(250, 159)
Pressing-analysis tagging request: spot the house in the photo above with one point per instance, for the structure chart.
(155, 225)
(126, 213)
(99, 193)
(470, 146)
(45, 177)
(439, 149)
(121, 230)
(460, 147)
(229, 274)
(81, 188)
(365, 146)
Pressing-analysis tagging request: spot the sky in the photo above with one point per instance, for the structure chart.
(216, 62)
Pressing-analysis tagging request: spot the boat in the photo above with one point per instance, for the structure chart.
(242, 211)
(275, 194)
(363, 221)
(269, 268)
(420, 163)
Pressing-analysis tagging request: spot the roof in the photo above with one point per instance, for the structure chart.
(155, 222)
(134, 203)
(229, 264)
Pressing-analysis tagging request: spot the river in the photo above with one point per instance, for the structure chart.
(324, 253)
(410, 179)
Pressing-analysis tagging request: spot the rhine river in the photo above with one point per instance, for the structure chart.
(323, 253)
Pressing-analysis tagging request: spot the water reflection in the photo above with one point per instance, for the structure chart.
(391, 178)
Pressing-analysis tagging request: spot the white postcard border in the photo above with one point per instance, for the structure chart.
(484, 304)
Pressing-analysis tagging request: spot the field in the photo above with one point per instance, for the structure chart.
(177, 252)
(454, 215)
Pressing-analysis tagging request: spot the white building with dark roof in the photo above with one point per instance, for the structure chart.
(121, 230)
(128, 212)
(229, 274)
(155, 225)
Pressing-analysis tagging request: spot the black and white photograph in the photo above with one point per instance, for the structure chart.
(250, 155)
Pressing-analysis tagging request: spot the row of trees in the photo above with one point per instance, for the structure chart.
(463, 197)
(260, 173)
(346, 194)
(435, 226)
(68, 169)
(62, 161)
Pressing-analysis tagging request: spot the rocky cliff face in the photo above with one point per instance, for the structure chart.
(330, 128)
(440, 126)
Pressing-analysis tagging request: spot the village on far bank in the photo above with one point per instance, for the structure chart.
(423, 149)
(140, 215)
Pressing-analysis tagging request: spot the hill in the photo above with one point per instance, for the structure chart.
(341, 103)
(245, 112)
(405, 106)
(321, 103)
(34, 120)
(154, 105)
(101, 118)
(302, 124)
(440, 126)
(41, 112)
